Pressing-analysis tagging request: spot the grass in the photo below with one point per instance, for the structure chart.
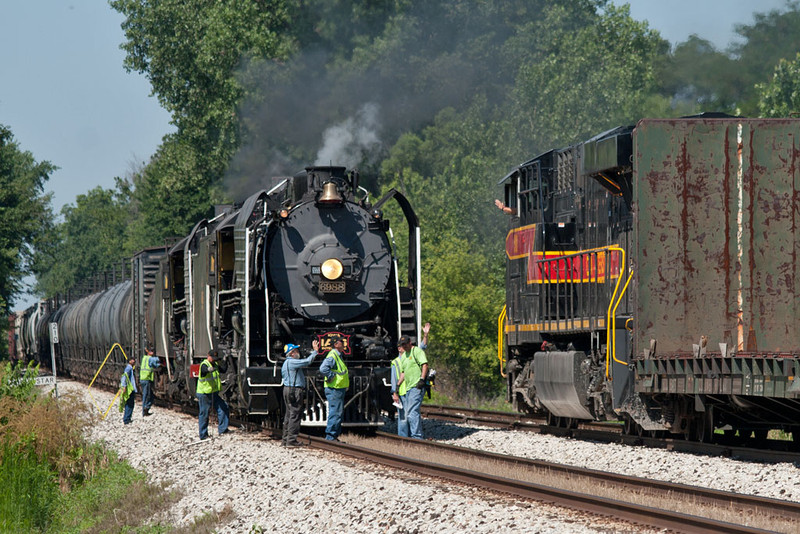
(118, 498)
(498, 403)
(54, 481)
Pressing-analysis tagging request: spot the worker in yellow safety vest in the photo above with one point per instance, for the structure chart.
(146, 375)
(208, 386)
(337, 380)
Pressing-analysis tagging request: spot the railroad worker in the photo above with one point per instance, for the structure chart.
(425, 329)
(127, 391)
(397, 381)
(337, 380)
(414, 366)
(294, 389)
(149, 363)
(208, 387)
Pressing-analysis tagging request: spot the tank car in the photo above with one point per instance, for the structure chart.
(652, 277)
(310, 258)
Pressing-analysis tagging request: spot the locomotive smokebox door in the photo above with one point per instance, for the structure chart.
(327, 262)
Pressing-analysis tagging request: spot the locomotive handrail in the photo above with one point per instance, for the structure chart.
(593, 276)
(501, 319)
(413, 225)
(612, 308)
(614, 319)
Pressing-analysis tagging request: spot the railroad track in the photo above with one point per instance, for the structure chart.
(522, 477)
(608, 432)
(656, 504)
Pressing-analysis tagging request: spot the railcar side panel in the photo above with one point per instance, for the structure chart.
(716, 234)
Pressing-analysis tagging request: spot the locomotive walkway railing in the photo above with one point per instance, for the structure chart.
(575, 288)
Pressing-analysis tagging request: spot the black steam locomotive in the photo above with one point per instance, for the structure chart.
(652, 277)
(310, 258)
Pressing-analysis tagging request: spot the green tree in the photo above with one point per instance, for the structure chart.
(700, 78)
(190, 52)
(773, 36)
(90, 240)
(697, 77)
(780, 97)
(449, 172)
(171, 195)
(580, 74)
(24, 212)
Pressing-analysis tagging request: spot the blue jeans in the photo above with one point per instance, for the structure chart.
(147, 395)
(335, 398)
(206, 400)
(402, 419)
(127, 414)
(412, 402)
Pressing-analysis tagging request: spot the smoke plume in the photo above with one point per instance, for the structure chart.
(352, 141)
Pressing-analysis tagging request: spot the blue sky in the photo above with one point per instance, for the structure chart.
(68, 100)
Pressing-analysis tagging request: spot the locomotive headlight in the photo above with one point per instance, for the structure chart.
(332, 269)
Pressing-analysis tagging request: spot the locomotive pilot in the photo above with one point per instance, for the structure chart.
(294, 389)
(337, 380)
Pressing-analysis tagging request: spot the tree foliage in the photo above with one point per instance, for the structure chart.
(24, 213)
(780, 97)
(90, 240)
(698, 77)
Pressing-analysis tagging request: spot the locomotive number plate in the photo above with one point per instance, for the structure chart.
(332, 287)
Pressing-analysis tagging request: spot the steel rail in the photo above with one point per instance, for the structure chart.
(609, 433)
(619, 510)
(696, 493)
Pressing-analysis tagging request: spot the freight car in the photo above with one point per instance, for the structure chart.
(653, 277)
(310, 258)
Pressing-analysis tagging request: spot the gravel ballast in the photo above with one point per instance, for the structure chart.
(302, 490)
(779, 481)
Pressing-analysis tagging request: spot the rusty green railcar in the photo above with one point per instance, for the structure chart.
(676, 292)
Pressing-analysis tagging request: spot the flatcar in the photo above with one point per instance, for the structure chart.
(652, 277)
(310, 258)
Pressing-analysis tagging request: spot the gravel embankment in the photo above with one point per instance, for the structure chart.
(780, 481)
(305, 491)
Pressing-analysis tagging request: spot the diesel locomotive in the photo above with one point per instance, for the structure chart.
(307, 259)
(653, 277)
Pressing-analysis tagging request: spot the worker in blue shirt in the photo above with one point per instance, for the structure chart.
(146, 375)
(294, 390)
(128, 391)
(397, 381)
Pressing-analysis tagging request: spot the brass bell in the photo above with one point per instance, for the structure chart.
(330, 194)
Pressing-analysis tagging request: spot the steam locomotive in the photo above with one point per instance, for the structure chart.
(308, 259)
(652, 276)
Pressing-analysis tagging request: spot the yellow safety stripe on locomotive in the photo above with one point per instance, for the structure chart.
(556, 325)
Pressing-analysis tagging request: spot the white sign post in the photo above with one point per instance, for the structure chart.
(53, 341)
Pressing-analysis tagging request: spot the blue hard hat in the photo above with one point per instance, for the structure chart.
(289, 348)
